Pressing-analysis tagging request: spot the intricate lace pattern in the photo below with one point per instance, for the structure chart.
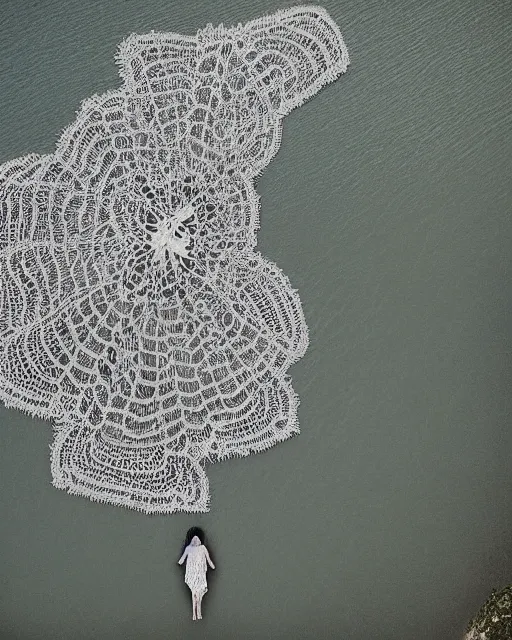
(135, 310)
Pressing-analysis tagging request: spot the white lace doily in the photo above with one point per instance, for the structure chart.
(135, 311)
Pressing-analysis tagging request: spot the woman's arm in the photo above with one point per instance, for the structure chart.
(182, 559)
(208, 559)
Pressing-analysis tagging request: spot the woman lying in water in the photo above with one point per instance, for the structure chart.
(197, 557)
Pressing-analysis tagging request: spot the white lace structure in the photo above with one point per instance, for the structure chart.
(135, 310)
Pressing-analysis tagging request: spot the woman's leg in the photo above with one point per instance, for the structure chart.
(199, 599)
(194, 606)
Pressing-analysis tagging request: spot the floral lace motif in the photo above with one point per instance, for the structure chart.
(135, 311)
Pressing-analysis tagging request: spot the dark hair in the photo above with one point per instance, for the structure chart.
(194, 531)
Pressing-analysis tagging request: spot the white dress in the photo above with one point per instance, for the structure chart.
(198, 559)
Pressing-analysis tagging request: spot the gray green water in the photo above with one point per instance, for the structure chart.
(388, 205)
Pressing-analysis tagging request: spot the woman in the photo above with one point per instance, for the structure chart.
(197, 557)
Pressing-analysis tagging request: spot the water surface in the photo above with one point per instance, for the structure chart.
(388, 206)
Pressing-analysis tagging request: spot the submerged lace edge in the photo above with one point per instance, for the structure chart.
(202, 506)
